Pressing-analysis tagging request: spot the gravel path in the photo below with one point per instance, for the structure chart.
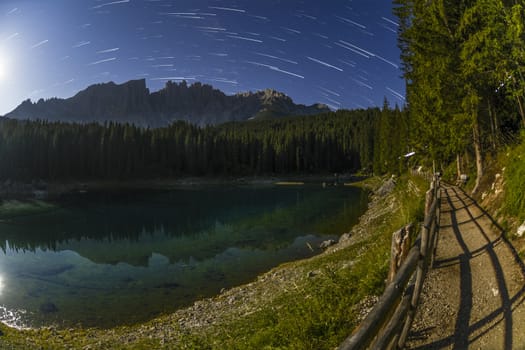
(473, 297)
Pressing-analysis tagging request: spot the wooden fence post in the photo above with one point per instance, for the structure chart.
(395, 251)
(428, 201)
(390, 321)
(401, 243)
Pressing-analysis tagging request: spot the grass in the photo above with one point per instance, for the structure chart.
(514, 201)
(320, 312)
(315, 309)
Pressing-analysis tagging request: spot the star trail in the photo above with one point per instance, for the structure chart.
(340, 53)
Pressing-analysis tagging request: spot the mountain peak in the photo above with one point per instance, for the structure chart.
(132, 102)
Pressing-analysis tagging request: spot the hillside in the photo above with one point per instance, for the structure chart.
(132, 102)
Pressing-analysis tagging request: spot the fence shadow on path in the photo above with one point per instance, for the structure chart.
(454, 201)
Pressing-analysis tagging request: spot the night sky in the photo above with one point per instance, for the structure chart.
(341, 53)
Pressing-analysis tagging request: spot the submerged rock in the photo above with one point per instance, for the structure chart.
(55, 270)
(215, 275)
(168, 285)
(47, 308)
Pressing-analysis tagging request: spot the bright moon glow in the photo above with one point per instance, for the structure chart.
(3, 69)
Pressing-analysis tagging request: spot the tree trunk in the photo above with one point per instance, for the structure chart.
(458, 165)
(479, 159)
(522, 111)
(492, 125)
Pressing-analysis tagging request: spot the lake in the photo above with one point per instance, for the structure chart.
(103, 259)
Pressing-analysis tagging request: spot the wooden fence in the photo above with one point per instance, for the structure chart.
(388, 324)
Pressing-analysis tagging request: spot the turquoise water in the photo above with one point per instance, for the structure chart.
(106, 259)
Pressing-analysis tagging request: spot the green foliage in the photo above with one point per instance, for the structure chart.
(464, 67)
(514, 202)
(335, 142)
(392, 141)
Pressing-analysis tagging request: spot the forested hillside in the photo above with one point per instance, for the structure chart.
(464, 63)
(344, 141)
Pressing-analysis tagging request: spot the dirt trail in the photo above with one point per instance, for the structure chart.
(473, 297)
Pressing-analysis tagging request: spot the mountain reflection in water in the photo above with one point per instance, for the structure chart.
(105, 259)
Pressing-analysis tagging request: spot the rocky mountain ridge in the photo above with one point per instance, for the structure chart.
(132, 102)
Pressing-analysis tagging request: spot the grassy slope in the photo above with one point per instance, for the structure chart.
(503, 191)
(309, 304)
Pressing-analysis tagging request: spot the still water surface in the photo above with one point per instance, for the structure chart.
(106, 259)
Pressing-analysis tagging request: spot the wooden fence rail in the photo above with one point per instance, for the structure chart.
(388, 324)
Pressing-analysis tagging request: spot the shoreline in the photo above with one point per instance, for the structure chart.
(38, 189)
(208, 318)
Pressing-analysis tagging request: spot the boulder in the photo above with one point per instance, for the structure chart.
(521, 230)
(327, 243)
(47, 308)
(345, 237)
(387, 187)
